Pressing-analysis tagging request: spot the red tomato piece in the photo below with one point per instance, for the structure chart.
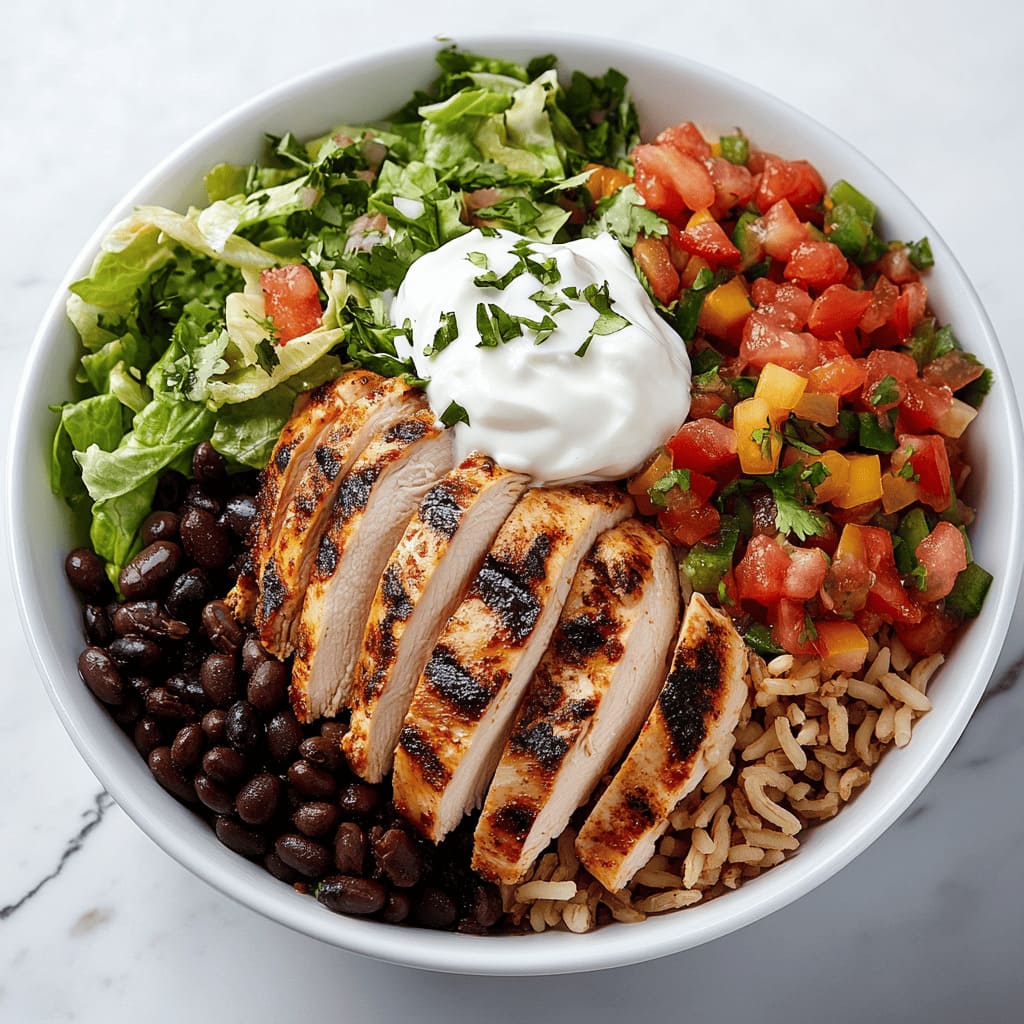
(786, 305)
(841, 375)
(687, 138)
(932, 634)
(887, 596)
(734, 184)
(764, 342)
(292, 300)
(953, 370)
(688, 526)
(781, 230)
(676, 253)
(796, 181)
(686, 180)
(711, 242)
(761, 573)
(806, 573)
(881, 306)
(816, 264)
(923, 407)
(944, 557)
(652, 256)
(792, 627)
(882, 363)
(704, 445)
(896, 265)
(837, 309)
(929, 462)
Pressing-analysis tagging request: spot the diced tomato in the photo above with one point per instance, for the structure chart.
(944, 556)
(880, 309)
(955, 370)
(781, 230)
(704, 445)
(711, 242)
(292, 300)
(837, 309)
(764, 342)
(652, 256)
(793, 180)
(846, 585)
(785, 305)
(693, 267)
(929, 462)
(840, 375)
(806, 573)
(924, 406)
(761, 573)
(687, 138)
(816, 264)
(882, 363)
(734, 184)
(676, 253)
(932, 634)
(887, 596)
(671, 181)
(792, 627)
(687, 526)
(896, 265)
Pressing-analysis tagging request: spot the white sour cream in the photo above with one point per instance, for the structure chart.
(543, 409)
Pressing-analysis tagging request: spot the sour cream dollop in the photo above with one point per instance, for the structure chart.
(556, 410)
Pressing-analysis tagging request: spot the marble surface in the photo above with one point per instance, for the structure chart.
(98, 924)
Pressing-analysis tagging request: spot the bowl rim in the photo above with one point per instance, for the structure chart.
(447, 952)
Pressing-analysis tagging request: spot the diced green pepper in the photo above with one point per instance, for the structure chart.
(912, 530)
(874, 435)
(735, 148)
(759, 639)
(705, 564)
(920, 254)
(843, 193)
(847, 229)
(745, 239)
(969, 591)
(745, 386)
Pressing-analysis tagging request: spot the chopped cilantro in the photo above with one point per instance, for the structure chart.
(885, 392)
(687, 311)
(496, 327)
(446, 333)
(582, 350)
(744, 386)
(975, 392)
(608, 321)
(624, 216)
(763, 438)
(919, 574)
(478, 259)
(792, 437)
(809, 632)
(549, 301)
(816, 474)
(792, 515)
(906, 471)
(674, 478)
(454, 414)
(490, 279)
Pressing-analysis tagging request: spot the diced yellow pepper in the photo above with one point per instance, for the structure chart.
(700, 217)
(843, 645)
(758, 441)
(780, 388)
(716, 149)
(865, 482)
(838, 478)
(725, 308)
(851, 542)
(898, 492)
(818, 408)
(654, 469)
(605, 181)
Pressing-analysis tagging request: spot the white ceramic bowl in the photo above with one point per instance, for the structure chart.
(668, 89)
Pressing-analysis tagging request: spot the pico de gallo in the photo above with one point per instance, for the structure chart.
(815, 488)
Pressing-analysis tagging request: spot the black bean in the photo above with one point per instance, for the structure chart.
(151, 570)
(86, 573)
(135, 652)
(100, 674)
(162, 703)
(268, 687)
(205, 541)
(359, 798)
(129, 711)
(321, 751)
(242, 727)
(199, 497)
(147, 735)
(140, 685)
(213, 795)
(284, 734)
(224, 765)
(223, 632)
(253, 654)
(188, 592)
(279, 869)
(397, 907)
(345, 894)
(162, 767)
(311, 781)
(170, 489)
(486, 904)
(349, 848)
(207, 463)
(159, 526)
(97, 626)
(332, 732)
(435, 908)
(249, 842)
(186, 685)
(306, 856)
(316, 819)
(467, 926)
(239, 514)
(187, 748)
(213, 725)
(219, 679)
(258, 798)
(147, 618)
(398, 858)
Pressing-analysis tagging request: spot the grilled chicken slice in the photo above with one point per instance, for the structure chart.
(300, 525)
(371, 510)
(592, 690)
(424, 580)
(683, 738)
(314, 411)
(463, 704)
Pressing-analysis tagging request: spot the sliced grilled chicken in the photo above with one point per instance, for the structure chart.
(463, 704)
(424, 580)
(683, 738)
(313, 413)
(294, 547)
(371, 510)
(592, 690)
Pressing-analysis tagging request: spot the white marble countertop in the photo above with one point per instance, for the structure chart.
(98, 924)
